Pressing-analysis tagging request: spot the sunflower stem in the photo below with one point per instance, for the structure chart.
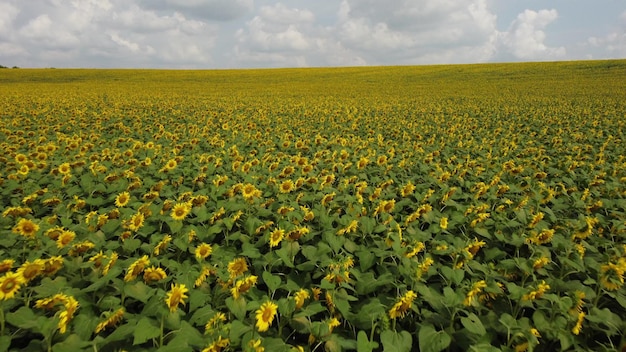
(161, 337)
(1, 319)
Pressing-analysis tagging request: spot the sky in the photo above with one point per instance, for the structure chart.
(207, 34)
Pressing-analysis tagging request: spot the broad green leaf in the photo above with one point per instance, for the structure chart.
(397, 341)
(237, 330)
(187, 334)
(237, 307)
(139, 291)
(431, 340)
(272, 281)
(145, 330)
(363, 344)
(71, 343)
(473, 324)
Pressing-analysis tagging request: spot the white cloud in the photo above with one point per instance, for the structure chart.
(212, 10)
(277, 34)
(8, 13)
(418, 31)
(236, 33)
(372, 32)
(525, 38)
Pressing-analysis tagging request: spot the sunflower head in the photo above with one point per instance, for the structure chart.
(265, 315)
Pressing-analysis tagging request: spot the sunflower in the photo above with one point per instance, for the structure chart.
(112, 320)
(327, 198)
(30, 270)
(408, 189)
(443, 223)
(472, 296)
(579, 323)
(71, 305)
(136, 222)
(300, 297)
(543, 237)
(362, 163)
(176, 296)
(65, 238)
(612, 276)
(10, 283)
(65, 168)
(402, 306)
(276, 236)
(243, 285)
(136, 268)
(203, 251)
(352, 227)
(424, 266)
(180, 211)
(286, 186)
(265, 315)
(218, 318)
(538, 293)
(153, 274)
(162, 245)
(122, 199)
(540, 263)
(237, 267)
(218, 345)
(16, 211)
(204, 274)
(6, 265)
(110, 264)
(250, 192)
(52, 265)
(26, 228)
(474, 247)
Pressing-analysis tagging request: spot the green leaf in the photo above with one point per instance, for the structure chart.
(188, 335)
(84, 326)
(540, 321)
(363, 344)
(174, 225)
(250, 251)
(130, 245)
(237, 307)
(272, 281)
(237, 330)
(473, 324)
(120, 333)
(145, 330)
(394, 341)
(23, 318)
(484, 347)
(139, 291)
(366, 259)
(49, 287)
(5, 342)
(483, 232)
(451, 299)
(284, 254)
(70, 344)
(431, 340)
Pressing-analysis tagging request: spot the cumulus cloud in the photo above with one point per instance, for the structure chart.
(525, 38)
(219, 10)
(418, 31)
(371, 32)
(613, 44)
(269, 33)
(103, 33)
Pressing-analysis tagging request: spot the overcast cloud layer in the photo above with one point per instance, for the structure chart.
(293, 33)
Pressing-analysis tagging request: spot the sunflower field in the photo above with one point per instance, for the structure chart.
(434, 208)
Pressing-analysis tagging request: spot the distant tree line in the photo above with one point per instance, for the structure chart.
(2, 66)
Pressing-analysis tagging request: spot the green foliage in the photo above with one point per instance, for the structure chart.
(475, 208)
